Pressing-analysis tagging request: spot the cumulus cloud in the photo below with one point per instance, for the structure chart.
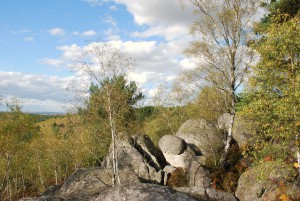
(113, 8)
(89, 33)
(56, 32)
(169, 19)
(52, 62)
(155, 62)
(110, 20)
(46, 92)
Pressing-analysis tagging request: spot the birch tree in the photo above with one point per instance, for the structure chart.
(221, 32)
(103, 64)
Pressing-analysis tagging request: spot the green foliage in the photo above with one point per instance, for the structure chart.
(17, 131)
(210, 104)
(164, 121)
(287, 8)
(271, 152)
(122, 95)
(274, 88)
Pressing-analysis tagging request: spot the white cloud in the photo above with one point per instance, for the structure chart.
(29, 39)
(52, 62)
(89, 33)
(156, 62)
(188, 63)
(113, 8)
(56, 32)
(38, 92)
(169, 19)
(110, 20)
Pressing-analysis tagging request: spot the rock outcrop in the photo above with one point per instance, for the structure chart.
(176, 152)
(170, 144)
(139, 158)
(127, 192)
(241, 128)
(198, 176)
(207, 194)
(179, 170)
(204, 138)
(267, 181)
(142, 192)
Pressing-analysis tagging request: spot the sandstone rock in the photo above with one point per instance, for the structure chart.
(127, 192)
(198, 175)
(204, 138)
(207, 194)
(51, 190)
(261, 182)
(142, 192)
(147, 149)
(220, 196)
(172, 145)
(133, 159)
(241, 128)
(196, 192)
(89, 181)
(50, 198)
(181, 160)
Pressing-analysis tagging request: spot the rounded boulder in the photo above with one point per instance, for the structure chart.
(172, 144)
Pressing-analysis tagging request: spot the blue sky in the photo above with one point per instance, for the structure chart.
(38, 37)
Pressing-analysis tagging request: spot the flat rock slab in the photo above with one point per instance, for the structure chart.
(143, 192)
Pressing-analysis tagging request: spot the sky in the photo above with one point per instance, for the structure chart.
(39, 37)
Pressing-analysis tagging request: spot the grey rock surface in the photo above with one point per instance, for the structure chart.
(181, 160)
(170, 144)
(136, 160)
(241, 128)
(257, 183)
(89, 181)
(207, 194)
(204, 138)
(198, 176)
(142, 192)
(146, 148)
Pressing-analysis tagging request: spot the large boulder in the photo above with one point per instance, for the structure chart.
(84, 184)
(204, 138)
(89, 181)
(142, 192)
(132, 156)
(51, 198)
(241, 128)
(147, 148)
(207, 194)
(182, 160)
(267, 181)
(128, 192)
(198, 176)
(170, 144)
(176, 152)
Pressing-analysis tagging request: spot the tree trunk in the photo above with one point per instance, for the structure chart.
(56, 176)
(115, 176)
(6, 175)
(229, 137)
(41, 176)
